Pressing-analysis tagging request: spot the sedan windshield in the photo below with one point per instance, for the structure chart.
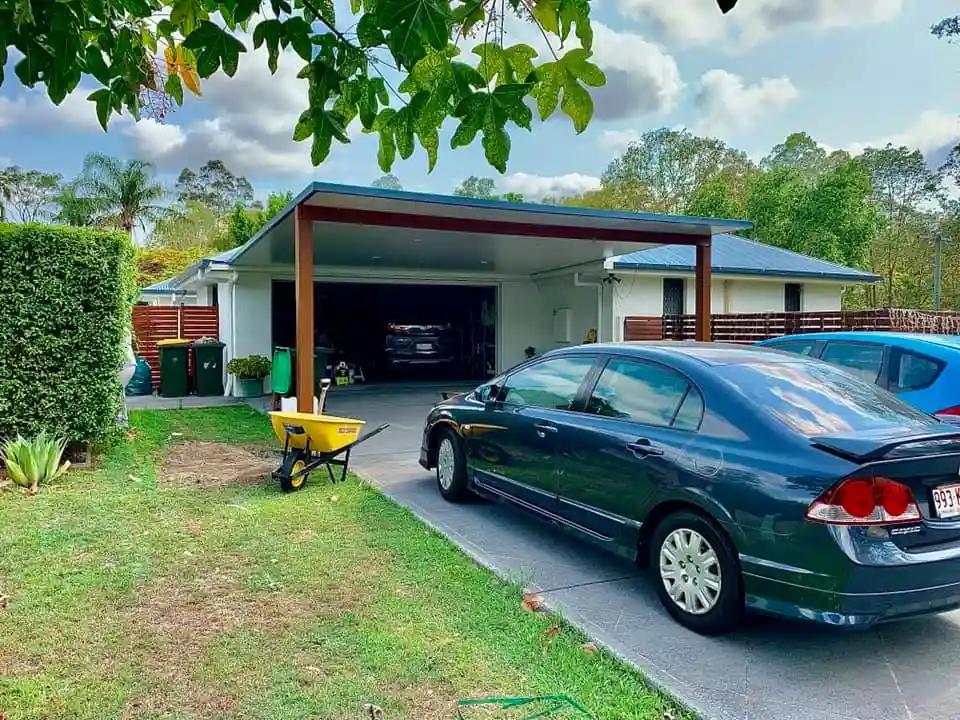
(817, 399)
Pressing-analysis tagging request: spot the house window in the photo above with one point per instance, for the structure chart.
(214, 295)
(792, 297)
(674, 296)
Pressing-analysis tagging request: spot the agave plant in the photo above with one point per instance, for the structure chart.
(31, 462)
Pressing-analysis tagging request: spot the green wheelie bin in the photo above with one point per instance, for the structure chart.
(207, 367)
(174, 377)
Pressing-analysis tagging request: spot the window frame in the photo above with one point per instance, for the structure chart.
(893, 376)
(691, 385)
(786, 290)
(683, 294)
(579, 400)
(882, 378)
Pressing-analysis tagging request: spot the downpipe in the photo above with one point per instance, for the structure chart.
(231, 346)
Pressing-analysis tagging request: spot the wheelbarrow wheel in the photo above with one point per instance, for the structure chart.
(296, 461)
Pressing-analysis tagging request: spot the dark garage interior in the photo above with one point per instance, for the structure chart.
(361, 320)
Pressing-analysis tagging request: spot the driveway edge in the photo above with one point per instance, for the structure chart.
(653, 676)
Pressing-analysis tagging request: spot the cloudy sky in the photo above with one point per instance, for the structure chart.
(850, 72)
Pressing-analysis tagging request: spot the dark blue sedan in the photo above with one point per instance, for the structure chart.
(744, 478)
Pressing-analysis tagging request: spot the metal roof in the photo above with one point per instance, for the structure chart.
(163, 287)
(734, 255)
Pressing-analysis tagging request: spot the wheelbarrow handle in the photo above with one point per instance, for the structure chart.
(367, 436)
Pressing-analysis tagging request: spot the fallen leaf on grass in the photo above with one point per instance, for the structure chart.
(4, 603)
(333, 498)
(373, 711)
(531, 602)
(589, 648)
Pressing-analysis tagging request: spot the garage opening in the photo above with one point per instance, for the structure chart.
(398, 332)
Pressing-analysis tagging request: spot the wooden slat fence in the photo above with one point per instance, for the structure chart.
(152, 323)
(749, 328)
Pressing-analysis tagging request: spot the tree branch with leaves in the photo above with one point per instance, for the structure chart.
(140, 51)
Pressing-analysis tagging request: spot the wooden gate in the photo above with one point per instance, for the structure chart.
(152, 323)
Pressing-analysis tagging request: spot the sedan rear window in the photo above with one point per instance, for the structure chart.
(816, 399)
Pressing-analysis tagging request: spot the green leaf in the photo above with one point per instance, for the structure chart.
(413, 26)
(269, 32)
(297, 31)
(214, 47)
(505, 64)
(356, 6)
(369, 33)
(565, 75)
(488, 113)
(174, 88)
(576, 12)
(430, 141)
(468, 15)
(578, 63)
(187, 15)
(577, 104)
(547, 13)
(94, 63)
(304, 128)
(104, 102)
(246, 9)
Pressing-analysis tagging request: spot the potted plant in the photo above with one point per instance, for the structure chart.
(249, 372)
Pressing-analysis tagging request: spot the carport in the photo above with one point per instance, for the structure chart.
(406, 235)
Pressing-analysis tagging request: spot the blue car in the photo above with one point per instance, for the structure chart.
(923, 370)
(743, 478)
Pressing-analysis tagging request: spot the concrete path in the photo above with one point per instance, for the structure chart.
(768, 671)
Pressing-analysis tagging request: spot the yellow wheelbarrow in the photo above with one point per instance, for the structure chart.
(314, 441)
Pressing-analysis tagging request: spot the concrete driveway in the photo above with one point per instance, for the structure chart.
(768, 671)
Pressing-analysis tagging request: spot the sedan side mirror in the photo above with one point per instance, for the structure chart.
(487, 393)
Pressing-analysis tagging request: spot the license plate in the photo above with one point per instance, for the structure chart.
(424, 347)
(946, 501)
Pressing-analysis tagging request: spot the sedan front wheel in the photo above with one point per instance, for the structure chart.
(451, 467)
(696, 573)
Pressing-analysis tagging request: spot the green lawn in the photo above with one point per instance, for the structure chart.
(124, 596)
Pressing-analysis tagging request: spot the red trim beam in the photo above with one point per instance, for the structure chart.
(352, 216)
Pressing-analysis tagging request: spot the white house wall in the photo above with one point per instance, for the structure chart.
(517, 303)
(560, 297)
(821, 297)
(754, 296)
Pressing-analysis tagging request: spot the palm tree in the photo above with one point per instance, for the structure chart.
(125, 190)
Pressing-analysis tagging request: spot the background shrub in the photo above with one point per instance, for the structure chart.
(65, 309)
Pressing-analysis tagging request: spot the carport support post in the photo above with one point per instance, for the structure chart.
(303, 269)
(702, 282)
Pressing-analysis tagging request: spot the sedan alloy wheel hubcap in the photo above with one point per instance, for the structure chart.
(690, 571)
(446, 463)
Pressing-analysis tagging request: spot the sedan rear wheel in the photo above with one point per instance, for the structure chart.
(696, 573)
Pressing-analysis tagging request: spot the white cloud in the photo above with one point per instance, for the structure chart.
(699, 22)
(729, 105)
(617, 140)
(249, 124)
(34, 109)
(538, 187)
(933, 130)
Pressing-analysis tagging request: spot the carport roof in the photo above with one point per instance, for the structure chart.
(346, 205)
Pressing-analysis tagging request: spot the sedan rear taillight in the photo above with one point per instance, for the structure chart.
(953, 411)
(865, 501)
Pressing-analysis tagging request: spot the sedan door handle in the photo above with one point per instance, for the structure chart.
(544, 428)
(643, 448)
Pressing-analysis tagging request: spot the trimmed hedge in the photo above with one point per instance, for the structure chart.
(65, 309)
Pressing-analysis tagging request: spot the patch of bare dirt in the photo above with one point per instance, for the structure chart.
(214, 465)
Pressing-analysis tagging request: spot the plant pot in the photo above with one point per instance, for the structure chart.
(249, 387)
